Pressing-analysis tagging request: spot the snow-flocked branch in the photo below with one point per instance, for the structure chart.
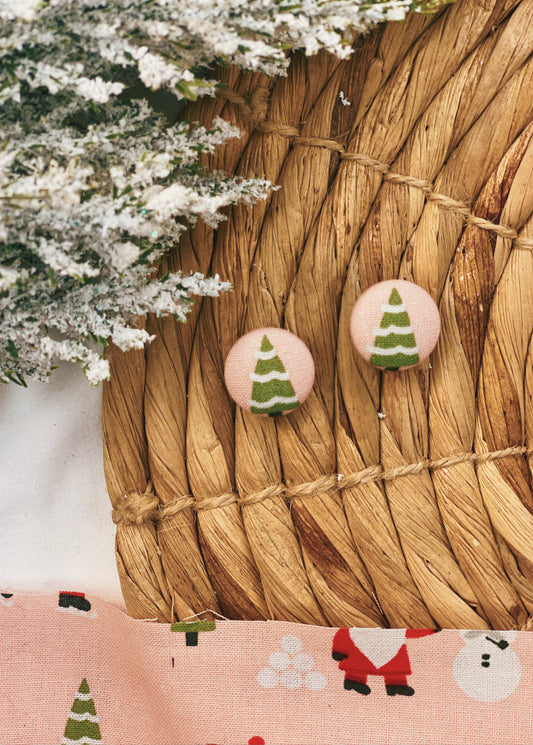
(95, 188)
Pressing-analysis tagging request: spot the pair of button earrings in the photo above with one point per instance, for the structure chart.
(394, 325)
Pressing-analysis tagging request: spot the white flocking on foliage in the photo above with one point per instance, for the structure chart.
(96, 187)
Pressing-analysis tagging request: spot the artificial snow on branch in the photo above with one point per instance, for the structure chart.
(92, 184)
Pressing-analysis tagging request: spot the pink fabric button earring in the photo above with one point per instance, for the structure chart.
(395, 324)
(269, 371)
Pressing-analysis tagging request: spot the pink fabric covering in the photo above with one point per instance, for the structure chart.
(77, 669)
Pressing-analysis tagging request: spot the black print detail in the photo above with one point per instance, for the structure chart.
(339, 656)
(394, 690)
(353, 685)
(502, 644)
(75, 600)
(385, 655)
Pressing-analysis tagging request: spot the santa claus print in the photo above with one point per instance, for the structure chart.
(375, 652)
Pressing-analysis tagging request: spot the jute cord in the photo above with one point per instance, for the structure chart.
(138, 508)
(255, 110)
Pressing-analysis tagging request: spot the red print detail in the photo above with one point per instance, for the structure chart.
(358, 667)
(256, 741)
(68, 592)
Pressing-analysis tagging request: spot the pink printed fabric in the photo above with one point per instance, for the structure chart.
(78, 670)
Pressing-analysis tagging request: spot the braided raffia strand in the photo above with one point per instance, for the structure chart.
(457, 360)
(126, 469)
(280, 560)
(501, 412)
(403, 398)
(167, 361)
(420, 516)
(225, 544)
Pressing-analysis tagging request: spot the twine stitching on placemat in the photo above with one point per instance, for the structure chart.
(252, 108)
(137, 508)
(255, 110)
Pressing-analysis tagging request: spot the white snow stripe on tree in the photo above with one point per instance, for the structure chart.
(84, 716)
(272, 401)
(83, 696)
(272, 375)
(392, 329)
(387, 308)
(392, 350)
(269, 355)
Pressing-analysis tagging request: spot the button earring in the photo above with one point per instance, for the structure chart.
(395, 324)
(269, 371)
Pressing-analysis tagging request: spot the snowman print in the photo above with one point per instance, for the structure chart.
(486, 668)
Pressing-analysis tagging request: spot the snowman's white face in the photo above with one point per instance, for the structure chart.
(487, 669)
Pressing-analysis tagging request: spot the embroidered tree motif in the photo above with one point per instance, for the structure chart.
(83, 724)
(272, 391)
(395, 345)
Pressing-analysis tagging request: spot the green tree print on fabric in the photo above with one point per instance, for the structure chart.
(83, 724)
(395, 345)
(272, 391)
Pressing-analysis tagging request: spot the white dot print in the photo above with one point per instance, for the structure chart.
(291, 644)
(291, 668)
(279, 660)
(267, 678)
(291, 679)
(303, 662)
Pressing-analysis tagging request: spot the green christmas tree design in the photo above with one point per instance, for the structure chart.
(272, 391)
(83, 724)
(395, 345)
(191, 629)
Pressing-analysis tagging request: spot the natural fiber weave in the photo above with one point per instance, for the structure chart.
(401, 499)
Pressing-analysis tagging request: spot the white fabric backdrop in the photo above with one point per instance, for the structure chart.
(55, 514)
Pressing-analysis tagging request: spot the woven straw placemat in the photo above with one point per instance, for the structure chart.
(387, 499)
